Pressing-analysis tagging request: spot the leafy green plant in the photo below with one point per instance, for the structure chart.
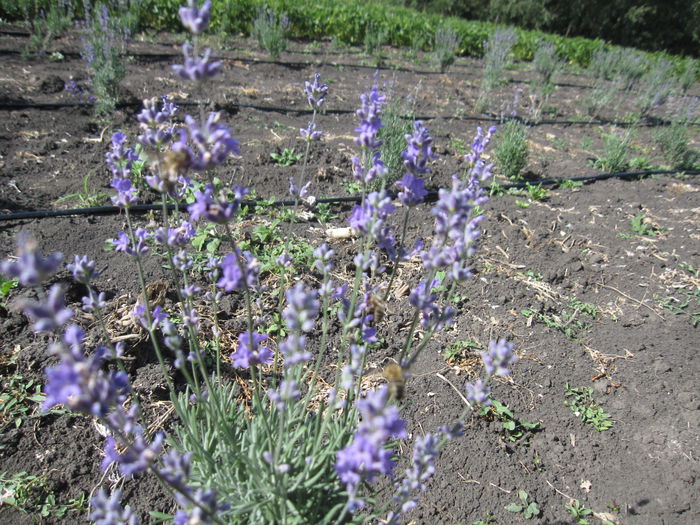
(6, 285)
(689, 302)
(569, 322)
(570, 184)
(512, 150)
(537, 193)
(324, 213)
(614, 157)
(673, 142)
(643, 225)
(32, 494)
(288, 157)
(270, 30)
(578, 511)
(529, 509)
(18, 399)
(514, 429)
(86, 198)
(582, 404)
(458, 351)
(375, 37)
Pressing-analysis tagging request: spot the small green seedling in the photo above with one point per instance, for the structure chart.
(643, 225)
(579, 512)
(85, 198)
(514, 429)
(585, 407)
(537, 193)
(287, 158)
(570, 184)
(5, 286)
(529, 510)
(458, 351)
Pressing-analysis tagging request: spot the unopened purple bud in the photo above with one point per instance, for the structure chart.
(499, 357)
(83, 269)
(194, 19)
(30, 268)
(478, 393)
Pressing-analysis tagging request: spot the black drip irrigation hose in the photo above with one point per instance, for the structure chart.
(431, 197)
(234, 107)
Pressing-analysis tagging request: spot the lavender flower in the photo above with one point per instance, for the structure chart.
(212, 142)
(197, 68)
(323, 258)
(287, 392)
(30, 268)
(302, 309)
(195, 20)
(136, 454)
(78, 381)
(479, 145)
(220, 209)
(366, 456)
(310, 133)
(412, 190)
(233, 278)
(418, 150)
(478, 393)
(155, 124)
(107, 510)
(370, 119)
(249, 351)
(51, 313)
(315, 92)
(498, 357)
(370, 217)
(83, 269)
(202, 511)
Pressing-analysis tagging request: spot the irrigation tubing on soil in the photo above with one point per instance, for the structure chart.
(232, 106)
(432, 196)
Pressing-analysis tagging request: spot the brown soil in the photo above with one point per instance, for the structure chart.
(639, 356)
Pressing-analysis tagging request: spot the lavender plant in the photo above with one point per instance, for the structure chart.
(270, 30)
(445, 43)
(512, 150)
(47, 25)
(104, 43)
(656, 86)
(496, 53)
(546, 64)
(286, 449)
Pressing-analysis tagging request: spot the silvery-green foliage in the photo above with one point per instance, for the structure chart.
(496, 59)
(270, 30)
(446, 42)
(512, 150)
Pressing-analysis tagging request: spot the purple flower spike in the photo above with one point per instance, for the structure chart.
(221, 209)
(366, 456)
(83, 269)
(30, 268)
(249, 352)
(107, 510)
(50, 314)
(412, 190)
(195, 20)
(197, 68)
(302, 308)
(311, 133)
(137, 455)
(232, 278)
(418, 150)
(316, 92)
(478, 393)
(213, 142)
(498, 357)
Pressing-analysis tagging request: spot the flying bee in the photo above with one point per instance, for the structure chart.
(175, 163)
(377, 307)
(393, 373)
